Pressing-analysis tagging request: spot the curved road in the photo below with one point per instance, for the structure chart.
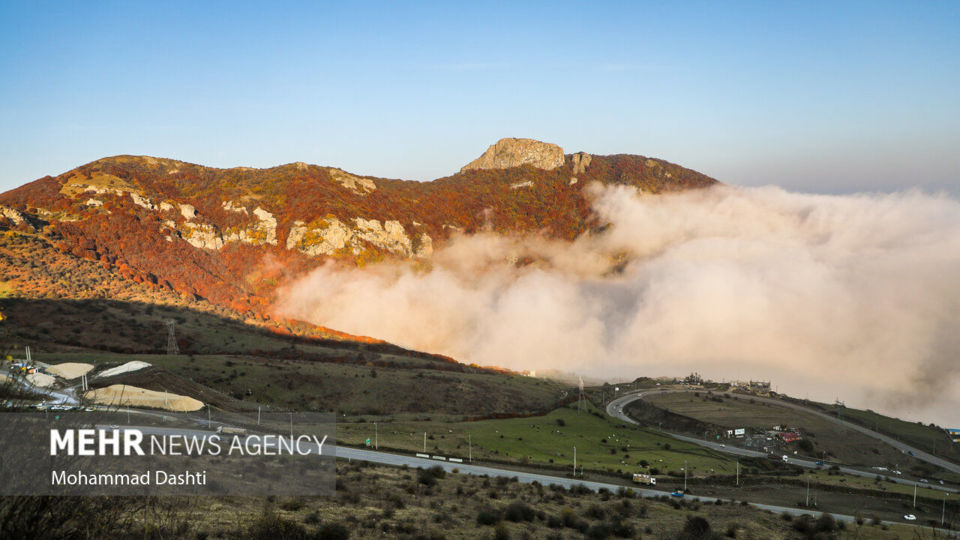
(615, 409)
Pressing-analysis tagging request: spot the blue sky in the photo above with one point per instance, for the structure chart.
(813, 96)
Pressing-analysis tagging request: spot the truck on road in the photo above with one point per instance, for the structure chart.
(646, 479)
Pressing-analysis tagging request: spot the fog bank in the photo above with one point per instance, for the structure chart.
(856, 297)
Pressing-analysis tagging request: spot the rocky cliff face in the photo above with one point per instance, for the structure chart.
(507, 153)
(207, 232)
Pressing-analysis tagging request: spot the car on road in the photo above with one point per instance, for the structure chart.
(819, 464)
(924, 480)
(910, 517)
(677, 493)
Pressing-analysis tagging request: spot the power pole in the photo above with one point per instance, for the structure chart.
(376, 436)
(943, 511)
(684, 476)
(172, 348)
(738, 473)
(470, 446)
(574, 461)
(580, 396)
(424, 442)
(807, 504)
(914, 495)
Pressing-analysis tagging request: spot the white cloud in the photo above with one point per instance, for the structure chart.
(850, 296)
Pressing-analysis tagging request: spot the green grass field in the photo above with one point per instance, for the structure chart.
(603, 444)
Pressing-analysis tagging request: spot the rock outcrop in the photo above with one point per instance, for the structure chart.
(329, 236)
(507, 153)
(581, 160)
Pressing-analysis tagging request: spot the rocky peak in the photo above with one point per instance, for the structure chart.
(510, 152)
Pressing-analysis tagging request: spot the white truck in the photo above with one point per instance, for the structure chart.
(645, 479)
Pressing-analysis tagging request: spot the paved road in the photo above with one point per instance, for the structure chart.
(616, 409)
(528, 478)
(399, 460)
(917, 453)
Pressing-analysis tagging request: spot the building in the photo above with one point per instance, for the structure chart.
(790, 436)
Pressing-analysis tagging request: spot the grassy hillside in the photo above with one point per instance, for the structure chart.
(603, 443)
(401, 386)
(386, 502)
(930, 438)
(835, 442)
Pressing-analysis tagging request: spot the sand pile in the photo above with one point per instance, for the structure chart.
(40, 379)
(70, 370)
(131, 396)
(125, 368)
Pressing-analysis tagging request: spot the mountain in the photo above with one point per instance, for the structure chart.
(225, 239)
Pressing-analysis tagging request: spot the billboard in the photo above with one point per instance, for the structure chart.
(739, 432)
(954, 434)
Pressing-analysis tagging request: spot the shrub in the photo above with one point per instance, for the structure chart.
(488, 516)
(518, 511)
(600, 531)
(696, 528)
(292, 505)
(825, 523)
(428, 477)
(270, 526)
(595, 512)
(333, 531)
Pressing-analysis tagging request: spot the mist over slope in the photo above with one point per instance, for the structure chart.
(855, 297)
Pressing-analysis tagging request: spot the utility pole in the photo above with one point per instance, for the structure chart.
(376, 436)
(738, 473)
(943, 511)
(424, 442)
(208, 416)
(470, 446)
(580, 396)
(172, 348)
(258, 414)
(807, 504)
(914, 494)
(684, 476)
(291, 427)
(574, 461)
